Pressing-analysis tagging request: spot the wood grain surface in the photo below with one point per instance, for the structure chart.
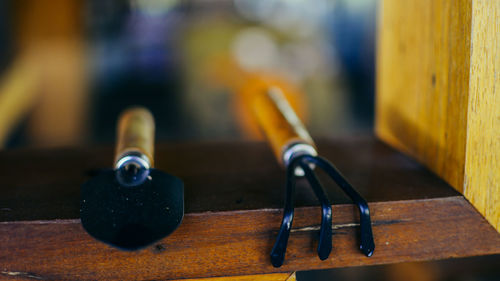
(423, 58)
(233, 213)
(437, 91)
(239, 242)
(482, 164)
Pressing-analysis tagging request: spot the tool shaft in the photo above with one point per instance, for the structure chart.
(279, 122)
(136, 129)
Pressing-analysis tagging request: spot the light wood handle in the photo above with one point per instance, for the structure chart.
(136, 129)
(279, 122)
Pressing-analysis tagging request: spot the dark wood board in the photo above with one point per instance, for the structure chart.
(234, 192)
(239, 242)
(218, 176)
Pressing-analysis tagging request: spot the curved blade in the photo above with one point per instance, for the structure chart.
(131, 218)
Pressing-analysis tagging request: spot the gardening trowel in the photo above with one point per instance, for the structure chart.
(132, 205)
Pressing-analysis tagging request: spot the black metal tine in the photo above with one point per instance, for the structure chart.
(367, 244)
(279, 248)
(325, 236)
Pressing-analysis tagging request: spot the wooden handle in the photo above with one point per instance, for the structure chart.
(278, 120)
(136, 129)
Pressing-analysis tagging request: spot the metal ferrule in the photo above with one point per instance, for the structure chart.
(295, 150)
(135, 158)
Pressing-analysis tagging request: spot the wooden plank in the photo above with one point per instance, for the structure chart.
(423, 81)
(437, 91)
(233, 213)
(482, 167)
(44, 184)
(238, 243)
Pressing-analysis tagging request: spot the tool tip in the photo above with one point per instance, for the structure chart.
(367, 250)
(277, 259)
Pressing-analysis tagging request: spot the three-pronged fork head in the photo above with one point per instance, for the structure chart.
(304, 161)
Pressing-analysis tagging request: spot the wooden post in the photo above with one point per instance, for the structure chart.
(437, 91)
(52, 33)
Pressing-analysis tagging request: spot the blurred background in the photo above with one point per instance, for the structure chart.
(68, 68)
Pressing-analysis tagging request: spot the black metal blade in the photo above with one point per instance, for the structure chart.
(131, 218)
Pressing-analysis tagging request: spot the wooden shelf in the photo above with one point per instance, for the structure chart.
(234, 192)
